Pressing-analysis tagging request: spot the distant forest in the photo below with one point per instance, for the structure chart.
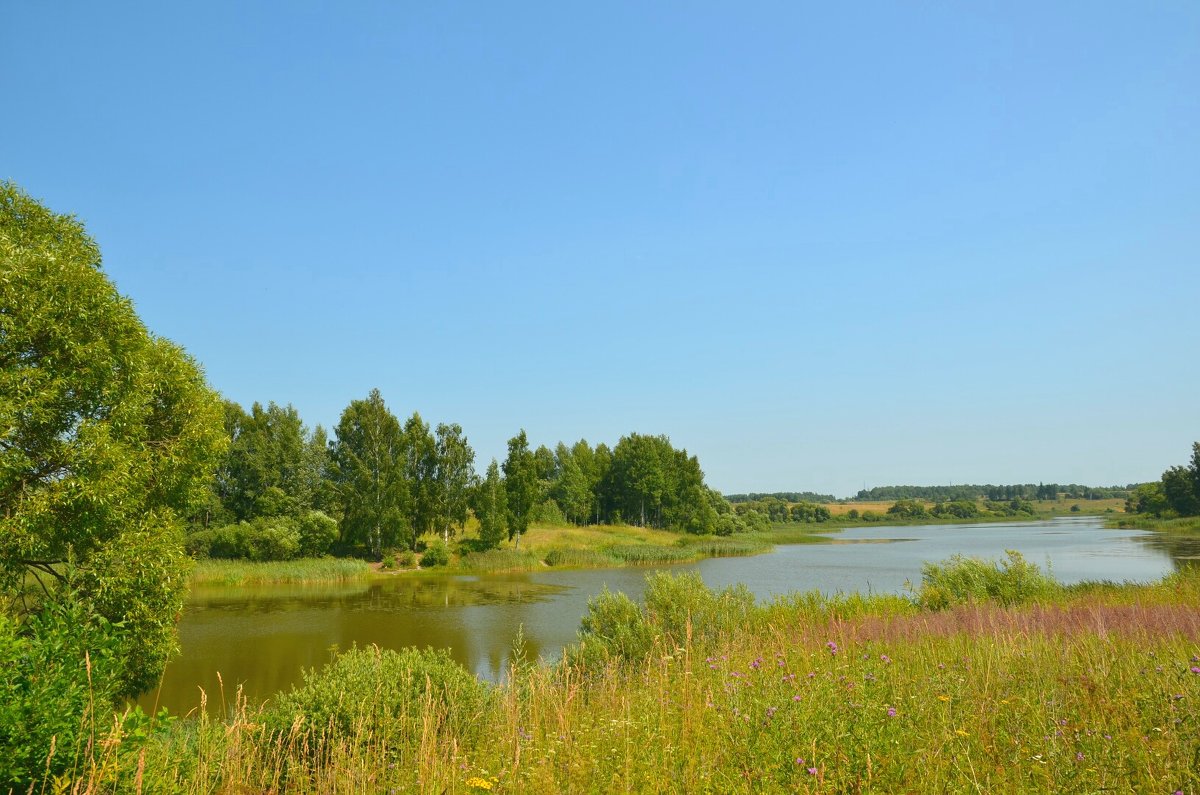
(786, 496)
(1017, 491)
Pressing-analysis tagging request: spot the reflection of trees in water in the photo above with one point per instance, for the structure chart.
(1184, 550)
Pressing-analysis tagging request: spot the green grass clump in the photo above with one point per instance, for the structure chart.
(245, 572)
(580, 558)
(500, 560)
(719, 547)
(959, 580)
(647, 554)
(379, 696)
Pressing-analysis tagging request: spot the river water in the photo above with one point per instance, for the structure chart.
(262, 637)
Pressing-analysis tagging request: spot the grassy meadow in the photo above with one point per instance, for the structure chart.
(995, 681)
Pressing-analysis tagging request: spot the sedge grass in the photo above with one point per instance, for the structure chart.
(245, 572)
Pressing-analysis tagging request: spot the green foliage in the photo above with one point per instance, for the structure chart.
(110, 436)
(304, 570)
(580, 558)
(676, 610)
(547, 512)
(58, 679)
(908, 509)
(1176, 494)
(436, 554)
(646, 554)
(614, 627)
(368, 457)
(500, 560)
(522, 488)
(317, 531)
(958, 509)
(490, 504)
(381, 697)
(960, 580)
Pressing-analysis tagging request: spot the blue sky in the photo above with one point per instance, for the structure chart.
(819, 247)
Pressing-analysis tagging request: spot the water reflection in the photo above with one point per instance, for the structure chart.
(262, 637)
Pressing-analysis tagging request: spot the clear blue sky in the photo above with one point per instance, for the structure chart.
(820, 247)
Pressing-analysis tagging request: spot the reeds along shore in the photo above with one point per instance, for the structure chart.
(1009, 686)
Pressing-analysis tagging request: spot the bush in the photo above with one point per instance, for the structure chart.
(48, 695)
(614, 627)
(960, 580)
(547, 513)
(436, 554)
(677, 610)
(959, 509)
(381, 697)
(318, 531)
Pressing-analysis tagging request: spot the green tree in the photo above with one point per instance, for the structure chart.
(453, 478)
(572, 490)
(491, 507)
(108, 437)
(420, 472)
(1177, 487)
(521, 485)
(368, 458)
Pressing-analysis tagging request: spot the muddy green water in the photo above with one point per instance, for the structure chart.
(260, 638)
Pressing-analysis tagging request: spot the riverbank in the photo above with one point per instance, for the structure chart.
(1188, 525)
(1034, 688)
(546, 547)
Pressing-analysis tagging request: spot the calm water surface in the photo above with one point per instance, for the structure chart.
(262, 637)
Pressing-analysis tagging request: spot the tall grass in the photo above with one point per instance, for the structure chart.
(647, 554)
(1078, 691)
(575, 558)
(245, 572)
(500, 560)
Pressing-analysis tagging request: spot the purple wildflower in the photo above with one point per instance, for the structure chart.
(812, 771)
(891, 713)
(832, 647)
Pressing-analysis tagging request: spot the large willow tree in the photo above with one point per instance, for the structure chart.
(108, 435)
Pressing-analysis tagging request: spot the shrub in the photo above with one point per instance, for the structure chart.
(961, 579)
(678, 609)
(381, 696)
(318, 531)
(61, 672)
(436, 554)
(614, 626)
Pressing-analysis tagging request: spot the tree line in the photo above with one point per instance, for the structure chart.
(784, 496)
(283, 490)
(1015, 491)
(1176, 494)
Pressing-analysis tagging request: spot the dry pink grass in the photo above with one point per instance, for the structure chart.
(1125, 621)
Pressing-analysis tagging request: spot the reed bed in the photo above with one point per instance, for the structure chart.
(245, 572)
(494, 560)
